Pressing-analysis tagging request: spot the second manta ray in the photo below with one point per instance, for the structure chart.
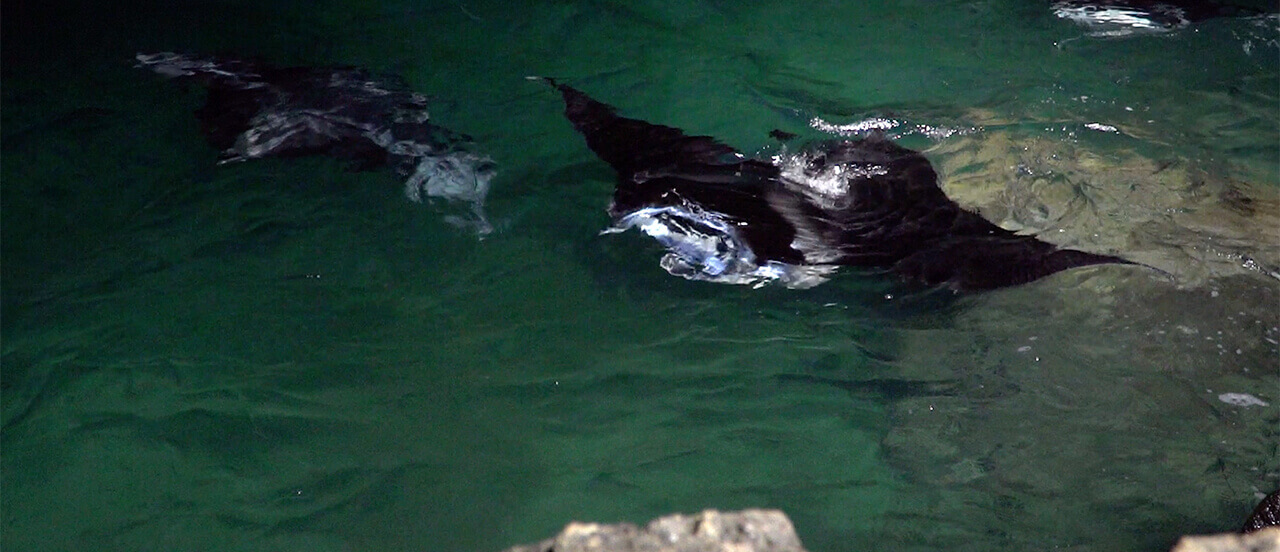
(870, 203)
(255, 110)
(1118, 18)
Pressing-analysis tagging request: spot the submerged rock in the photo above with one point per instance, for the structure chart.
(709, 531)
(1266, 540)
(1191, 218)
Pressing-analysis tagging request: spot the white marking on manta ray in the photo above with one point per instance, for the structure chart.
(460, 176)
(1107, 16)
(457, 176)
(703, 246)
(828, 186)
(351, 105)
(170, 64)
(706, 246)
(680, 190)
(1121, 20)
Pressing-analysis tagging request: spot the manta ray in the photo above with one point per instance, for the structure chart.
(1129, 17)
(254, 110)
(725, 217)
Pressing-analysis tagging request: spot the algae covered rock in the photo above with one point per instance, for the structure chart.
(1266, 540)
(709, 531)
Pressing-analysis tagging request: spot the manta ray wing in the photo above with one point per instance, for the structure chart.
(632, 145)
(661, 167)
(897, 216)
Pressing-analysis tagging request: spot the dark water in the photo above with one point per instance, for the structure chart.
(287, 355)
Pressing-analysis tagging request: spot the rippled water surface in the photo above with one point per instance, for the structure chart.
(289, 355)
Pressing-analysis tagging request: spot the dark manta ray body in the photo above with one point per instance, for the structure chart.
(868, 203)
(256, 110)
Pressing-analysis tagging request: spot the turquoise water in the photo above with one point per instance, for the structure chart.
(287, 355)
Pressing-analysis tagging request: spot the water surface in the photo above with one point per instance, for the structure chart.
(288, 355)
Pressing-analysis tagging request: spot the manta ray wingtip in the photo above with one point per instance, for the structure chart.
(549, 80)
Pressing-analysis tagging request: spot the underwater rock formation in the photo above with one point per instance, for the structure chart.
(709, 531)
(1262, 541)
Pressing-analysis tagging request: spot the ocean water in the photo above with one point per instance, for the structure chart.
(289, 355)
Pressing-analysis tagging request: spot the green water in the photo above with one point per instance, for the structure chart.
(286, 355)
